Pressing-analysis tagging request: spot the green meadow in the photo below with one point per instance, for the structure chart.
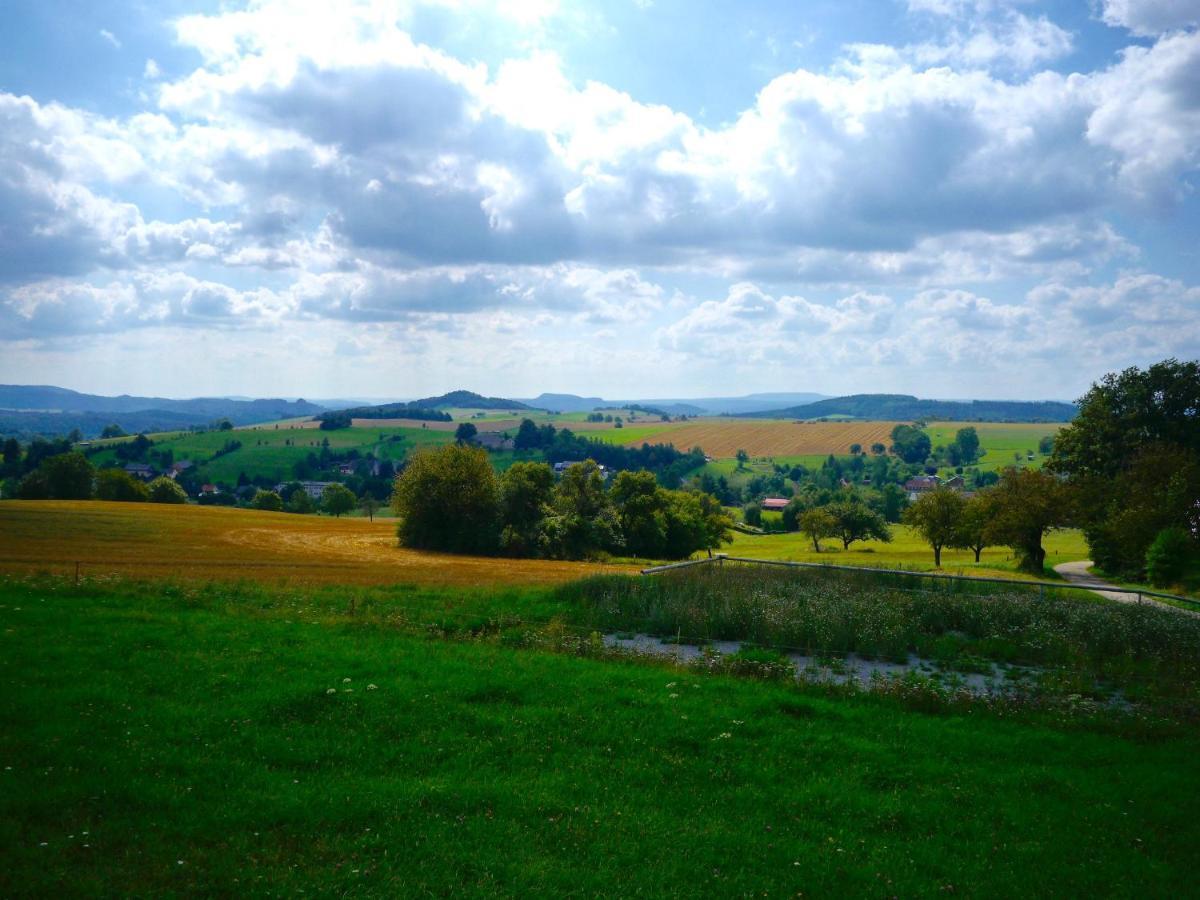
(161, 739)
(1001, 442)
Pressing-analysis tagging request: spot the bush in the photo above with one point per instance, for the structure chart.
(268, 500)
(119, 485)
(1169, 556)
(164, 490)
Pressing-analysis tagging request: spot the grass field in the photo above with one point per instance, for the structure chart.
(225, 740)
(200, 543)
(723, 438)
(906, 550)
(1000, 441)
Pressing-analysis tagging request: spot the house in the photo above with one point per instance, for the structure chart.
(208, 490)
(347, 468)
(957, 483)
(141, 470)
(776, 504)
(177, 468)
(922, 484)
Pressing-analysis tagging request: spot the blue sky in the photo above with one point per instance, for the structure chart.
(942, 197)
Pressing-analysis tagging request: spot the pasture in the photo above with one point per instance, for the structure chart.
(240, 740)
(202, 543)
(1001, 442)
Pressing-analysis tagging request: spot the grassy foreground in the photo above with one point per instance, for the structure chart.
(218, 740)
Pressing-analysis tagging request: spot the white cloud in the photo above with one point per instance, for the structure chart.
(110, 38)
(1151, 17)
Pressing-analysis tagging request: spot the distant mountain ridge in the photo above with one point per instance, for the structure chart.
(695, 406)
(46, 410)
(904, 407)
(468, 400)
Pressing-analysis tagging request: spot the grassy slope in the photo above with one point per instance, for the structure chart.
(999, 441)
(155, 742)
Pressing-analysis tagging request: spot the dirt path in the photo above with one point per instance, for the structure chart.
(1077, 573)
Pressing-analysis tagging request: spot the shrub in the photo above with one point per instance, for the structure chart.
(449, 499)
(164, 490)
(119, 485)
(1168, 557)
(268, 500)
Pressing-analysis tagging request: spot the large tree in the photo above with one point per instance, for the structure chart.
(69, 476)
(857, 522)
(337, 500)
(117, 484)
(1025, 505)
(817, 523)
(1132, 456)
(972, 532)
(448, 499)
(911, 444)
(582, 522)
(937, 517)
(525, 492)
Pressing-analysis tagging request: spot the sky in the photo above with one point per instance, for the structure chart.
(628, 198)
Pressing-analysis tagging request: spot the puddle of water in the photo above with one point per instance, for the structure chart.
(999, 679)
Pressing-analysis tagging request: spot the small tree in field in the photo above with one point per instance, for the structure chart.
(338, 500)
(937, 517)
(973, 528)
(742, 458)
(369, 505)
(268, 500)
(465, 433)
(164, 490)
(857, 522)
(817, 523)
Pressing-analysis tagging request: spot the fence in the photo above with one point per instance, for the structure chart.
(720, 558)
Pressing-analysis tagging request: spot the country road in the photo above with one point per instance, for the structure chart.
(1077, 573)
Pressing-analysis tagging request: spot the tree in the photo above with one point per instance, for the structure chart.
(857, 522)
(1046, 444)
(817, 523)
(164, 490)
(878, 449)
(937, 517)
(525, 493)
(369, 504)
(465, 433)
(892, 501)
(267, 500)
(338, 500)
(112, 431)
(582, 521)
(910, 444)
(69, 476)
(967, 440)
(973, 528)
(855, 449)
(641, 509)
(448, 499)
(297, 500)
(1024, 506)
(742, 458)
(718, 523)
(528, 437)
(791, 514)
(752, 515)
(119, 485)
(1173, 551)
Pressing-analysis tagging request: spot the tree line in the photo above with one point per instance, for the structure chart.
(451, 499)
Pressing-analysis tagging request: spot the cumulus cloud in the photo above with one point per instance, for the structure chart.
(1151, 17)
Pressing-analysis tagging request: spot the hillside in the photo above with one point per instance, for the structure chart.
(27, 410)
(903, 407)
(694, 406)
(467, 400)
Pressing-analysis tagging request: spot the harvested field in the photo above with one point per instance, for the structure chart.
(724, 437)
(198, 543)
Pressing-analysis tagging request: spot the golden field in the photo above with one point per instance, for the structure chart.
(722, 438)
(206, 543)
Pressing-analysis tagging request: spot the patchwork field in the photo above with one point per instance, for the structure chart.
(216, 543)
(723, 438)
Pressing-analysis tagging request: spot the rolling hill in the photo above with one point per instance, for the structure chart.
(903, 407)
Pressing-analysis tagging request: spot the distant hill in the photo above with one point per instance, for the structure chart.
(468, 400)
(28, 410)
(676, 406)
(902, 407)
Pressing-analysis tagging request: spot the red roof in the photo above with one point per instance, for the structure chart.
(774, 502)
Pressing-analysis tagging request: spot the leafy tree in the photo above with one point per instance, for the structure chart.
(465, 433)
(967, 440)
(1171, 554)
(1025, 505)
(878, 449)
(69, 476)
(892, 502)
(369, 504)
(718, 523)
(267, 500)
(582, 521)
(857, 522)
(641, 510)
(448, 498)
(119, 485)
(937, 517)
(855, 449)
(752, 515)
(791, 514)
(112, 431)
(332, 421)
(817, 523)
(12, 457)
(525, 492)
(1046, 444)
(973, 530)
(34, 486)
(164, 490)
(297, 500)
(910, 444)
(338, 500)
(742, 458)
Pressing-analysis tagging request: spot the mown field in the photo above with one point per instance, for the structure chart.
(1001, 442)
(160, 739)
(723, 438)
(906, 551)
(200, 543)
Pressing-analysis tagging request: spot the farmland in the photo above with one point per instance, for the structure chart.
(722, 438)
(215, 543)
(1001, 442)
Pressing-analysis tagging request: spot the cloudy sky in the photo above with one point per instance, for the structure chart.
(950, 198)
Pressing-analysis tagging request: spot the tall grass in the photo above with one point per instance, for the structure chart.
(879, 615)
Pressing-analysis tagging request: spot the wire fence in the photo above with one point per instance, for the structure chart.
(1139, 593)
